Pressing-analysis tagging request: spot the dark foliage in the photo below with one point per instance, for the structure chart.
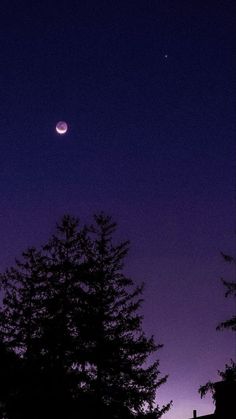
(229, 373)
(230, 291)
(10, 368)
(70, 318)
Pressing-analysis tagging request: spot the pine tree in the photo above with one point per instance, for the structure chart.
(36, 322)
(22, 304)
(72, 316)
(123, 383)
(64, 318)
(20, 326)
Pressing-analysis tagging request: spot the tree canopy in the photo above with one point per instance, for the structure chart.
(229, 373)
(230, 291)
(72, 318)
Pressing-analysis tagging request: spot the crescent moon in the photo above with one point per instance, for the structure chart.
(61, 127)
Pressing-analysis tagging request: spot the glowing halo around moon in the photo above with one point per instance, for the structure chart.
(61, 127)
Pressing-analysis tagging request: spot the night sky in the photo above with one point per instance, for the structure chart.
(148, 91)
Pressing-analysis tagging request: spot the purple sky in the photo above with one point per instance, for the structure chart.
(151, 141)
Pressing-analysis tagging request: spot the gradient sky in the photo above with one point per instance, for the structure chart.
(148, 91)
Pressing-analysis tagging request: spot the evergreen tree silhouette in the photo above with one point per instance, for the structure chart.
(117, 348)
(19, 323)
(71, 317)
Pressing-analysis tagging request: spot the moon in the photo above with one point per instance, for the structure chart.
(61, 127)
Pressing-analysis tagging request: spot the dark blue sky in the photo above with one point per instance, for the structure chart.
(151, 141)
